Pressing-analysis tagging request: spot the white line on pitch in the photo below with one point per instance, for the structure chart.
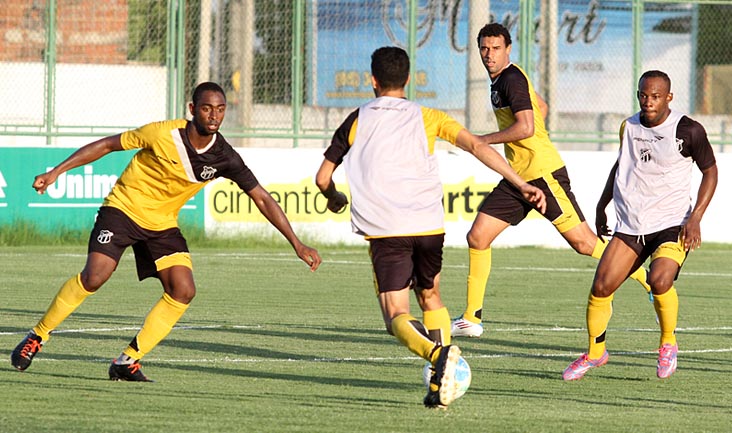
(288, 257)
(230, 360)
(259, 326)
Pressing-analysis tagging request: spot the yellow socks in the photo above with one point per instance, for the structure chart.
(158, 323)
(438, 324)
(413, 334)
(667, 309)
(68, 298)
(599, 311)
(479, 270)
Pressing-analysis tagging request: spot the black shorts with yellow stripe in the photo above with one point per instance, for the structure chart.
(114, 231)
(506, 203)
(406, 261)
(665, 243)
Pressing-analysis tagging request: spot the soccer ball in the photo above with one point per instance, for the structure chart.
(462, 376)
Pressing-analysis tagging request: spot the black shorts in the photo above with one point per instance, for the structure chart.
(407, 261)
(506, 203)
(114, 231)
(665, 243)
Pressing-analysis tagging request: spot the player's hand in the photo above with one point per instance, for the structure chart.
(338, 202)
(310, 256)
(43, 181)
(691, 235)
(534, 196)
(601, 227)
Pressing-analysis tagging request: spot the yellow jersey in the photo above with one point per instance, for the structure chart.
(167, 171)
(535, 156)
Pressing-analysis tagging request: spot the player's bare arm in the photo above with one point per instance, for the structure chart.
(274, 214)
(84, 155)
(485, 153)
(606, 197)
(324, 180)
(521, 129)
(692, 228)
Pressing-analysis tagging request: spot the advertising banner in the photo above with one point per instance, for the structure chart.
(72, 201)
(593, 43)
(288, 174)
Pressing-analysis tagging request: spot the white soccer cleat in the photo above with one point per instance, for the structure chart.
(465, 328)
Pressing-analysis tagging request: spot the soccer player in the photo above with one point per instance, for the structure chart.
(520, 113)
(386, 147)
(176, 159)
(650, 185)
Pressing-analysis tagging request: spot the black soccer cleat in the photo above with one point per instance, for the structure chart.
(443, 387)
(24, 352)
(127, 372)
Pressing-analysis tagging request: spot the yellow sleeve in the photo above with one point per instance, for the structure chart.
(622, 131)
(134, 138)
(141, 137)
(437, 123)
(352, 132)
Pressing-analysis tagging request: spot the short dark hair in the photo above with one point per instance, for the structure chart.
(656, 74)
(390, 67)
(205, 87)
(494, 30)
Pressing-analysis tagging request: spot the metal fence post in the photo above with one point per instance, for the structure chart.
(637, 31)
(412, 49)
(49, 117)
(297, 70)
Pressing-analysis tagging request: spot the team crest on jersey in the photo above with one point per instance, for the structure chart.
(105, 237)
(645, 155)
(208, 172)
(495, 98)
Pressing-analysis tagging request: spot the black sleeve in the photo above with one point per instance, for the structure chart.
(339, 145)
(237, 171)
(517, 91)
(695, 143)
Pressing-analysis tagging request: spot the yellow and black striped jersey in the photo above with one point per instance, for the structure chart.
(535, 156)
(167, 171)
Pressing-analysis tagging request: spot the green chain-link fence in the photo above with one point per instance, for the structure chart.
(75, 69)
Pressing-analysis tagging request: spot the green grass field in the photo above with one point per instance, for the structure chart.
(268, 346)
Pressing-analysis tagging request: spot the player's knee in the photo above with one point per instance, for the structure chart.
(601, 289)
(183, 294)
(584, 247)
(476, 241)
(660, 284)
(92, 281)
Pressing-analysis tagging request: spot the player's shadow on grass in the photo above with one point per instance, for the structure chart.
(496, 343)
(89, 319)
(340, 335)
(324, 379)
(554, 374)
(568, 395)
(537, 327)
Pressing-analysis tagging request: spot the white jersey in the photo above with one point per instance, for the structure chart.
(393, 177)
(653, 180)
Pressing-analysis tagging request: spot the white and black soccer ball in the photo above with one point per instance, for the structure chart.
(463, 376)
